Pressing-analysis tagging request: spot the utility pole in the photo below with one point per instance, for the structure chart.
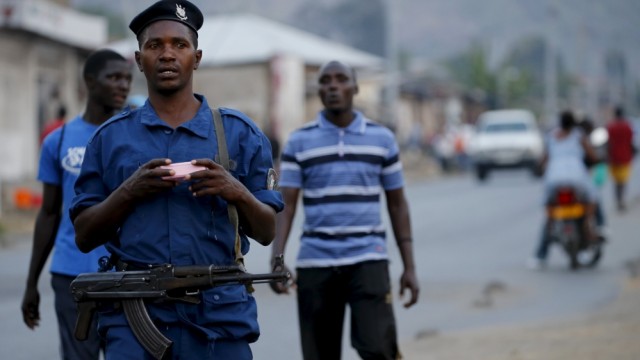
(550, 68)
(629, 84)
(390, 100)
(593, 64)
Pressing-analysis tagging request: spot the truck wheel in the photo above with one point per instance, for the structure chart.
(482, 173)
(536, 171)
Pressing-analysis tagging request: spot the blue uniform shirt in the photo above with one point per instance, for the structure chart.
(176, 227)
(62, 169)
(342, 172)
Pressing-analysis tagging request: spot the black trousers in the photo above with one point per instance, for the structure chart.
(324, 293)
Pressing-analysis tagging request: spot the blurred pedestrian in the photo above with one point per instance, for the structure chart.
(107, 76)
(620, 153)
(146, 221)
(342, 161)
(598, 169)
(54, 123)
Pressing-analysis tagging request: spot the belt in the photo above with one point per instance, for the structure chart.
(124, 266)
(106, 263)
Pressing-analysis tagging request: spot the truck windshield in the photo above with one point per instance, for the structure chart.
(504, 127)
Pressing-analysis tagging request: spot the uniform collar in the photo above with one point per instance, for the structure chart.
(199, 125)
(357, 126)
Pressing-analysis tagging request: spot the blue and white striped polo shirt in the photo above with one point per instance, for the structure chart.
(341, 172)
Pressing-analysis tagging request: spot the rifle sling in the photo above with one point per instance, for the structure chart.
(223, 154)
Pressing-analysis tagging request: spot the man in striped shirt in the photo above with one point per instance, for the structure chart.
(342, 162)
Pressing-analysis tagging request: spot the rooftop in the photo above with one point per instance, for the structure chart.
(247, 38)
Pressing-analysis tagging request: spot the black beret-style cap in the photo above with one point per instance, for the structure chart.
(181, 11)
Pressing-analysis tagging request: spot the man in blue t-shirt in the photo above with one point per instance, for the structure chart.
(107, 76)
(342, 162)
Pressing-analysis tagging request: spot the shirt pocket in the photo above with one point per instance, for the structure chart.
(225, 295)
(129, 165)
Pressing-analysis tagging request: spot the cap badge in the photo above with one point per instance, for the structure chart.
(181, 13)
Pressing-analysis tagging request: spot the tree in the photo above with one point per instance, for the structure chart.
(470, 69)
(527, 55)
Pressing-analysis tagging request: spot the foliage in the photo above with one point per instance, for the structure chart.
(518, 80)
(470, 69)
(3, 231)
(528, 56)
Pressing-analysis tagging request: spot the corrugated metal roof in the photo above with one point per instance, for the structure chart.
(247, 38)
(55, 22)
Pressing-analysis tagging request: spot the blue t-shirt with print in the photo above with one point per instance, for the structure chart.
(62, 169)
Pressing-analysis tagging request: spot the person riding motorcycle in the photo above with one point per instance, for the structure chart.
(563, 164)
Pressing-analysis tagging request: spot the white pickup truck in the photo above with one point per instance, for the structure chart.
(506, 139)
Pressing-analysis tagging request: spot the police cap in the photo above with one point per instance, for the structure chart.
(181, 11)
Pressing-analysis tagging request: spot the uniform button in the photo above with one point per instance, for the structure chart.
(168, 132)
(216, 297)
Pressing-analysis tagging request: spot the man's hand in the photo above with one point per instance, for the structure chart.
(282, 287)
(30, 307)
(147, 180)
(409, 280)
(215, 181)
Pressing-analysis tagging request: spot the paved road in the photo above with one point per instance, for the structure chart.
(471, 242)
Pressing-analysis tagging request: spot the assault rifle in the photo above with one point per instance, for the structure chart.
(162, 283)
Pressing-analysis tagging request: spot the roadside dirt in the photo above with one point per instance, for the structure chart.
(612, 334)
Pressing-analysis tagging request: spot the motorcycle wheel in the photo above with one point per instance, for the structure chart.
(593, 254)
(481, 173)
(569, 237)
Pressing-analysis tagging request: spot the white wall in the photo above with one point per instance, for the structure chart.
(26, 63)
(241, 87)
(288, 88)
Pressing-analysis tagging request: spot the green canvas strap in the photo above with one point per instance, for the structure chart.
(224, 161)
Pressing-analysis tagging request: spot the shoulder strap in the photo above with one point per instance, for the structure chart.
(60, 144)
(224, 161)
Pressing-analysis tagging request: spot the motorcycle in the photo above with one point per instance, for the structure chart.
(566, 227)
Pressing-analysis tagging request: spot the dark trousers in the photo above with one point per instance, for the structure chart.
(324, 293)
(123, 345)
(544, 243)
(599, 215)
(66, 311)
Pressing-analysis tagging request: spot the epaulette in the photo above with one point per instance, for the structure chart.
(124, 114)
(121, 115)
(227, 112)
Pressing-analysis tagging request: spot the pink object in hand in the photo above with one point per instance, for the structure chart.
(182, 169)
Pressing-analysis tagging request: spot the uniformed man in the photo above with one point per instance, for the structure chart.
(123, 201)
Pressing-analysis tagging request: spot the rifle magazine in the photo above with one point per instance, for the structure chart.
(145, 330)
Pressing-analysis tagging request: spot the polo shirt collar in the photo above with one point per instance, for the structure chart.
(357, 126)
(199, 125)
